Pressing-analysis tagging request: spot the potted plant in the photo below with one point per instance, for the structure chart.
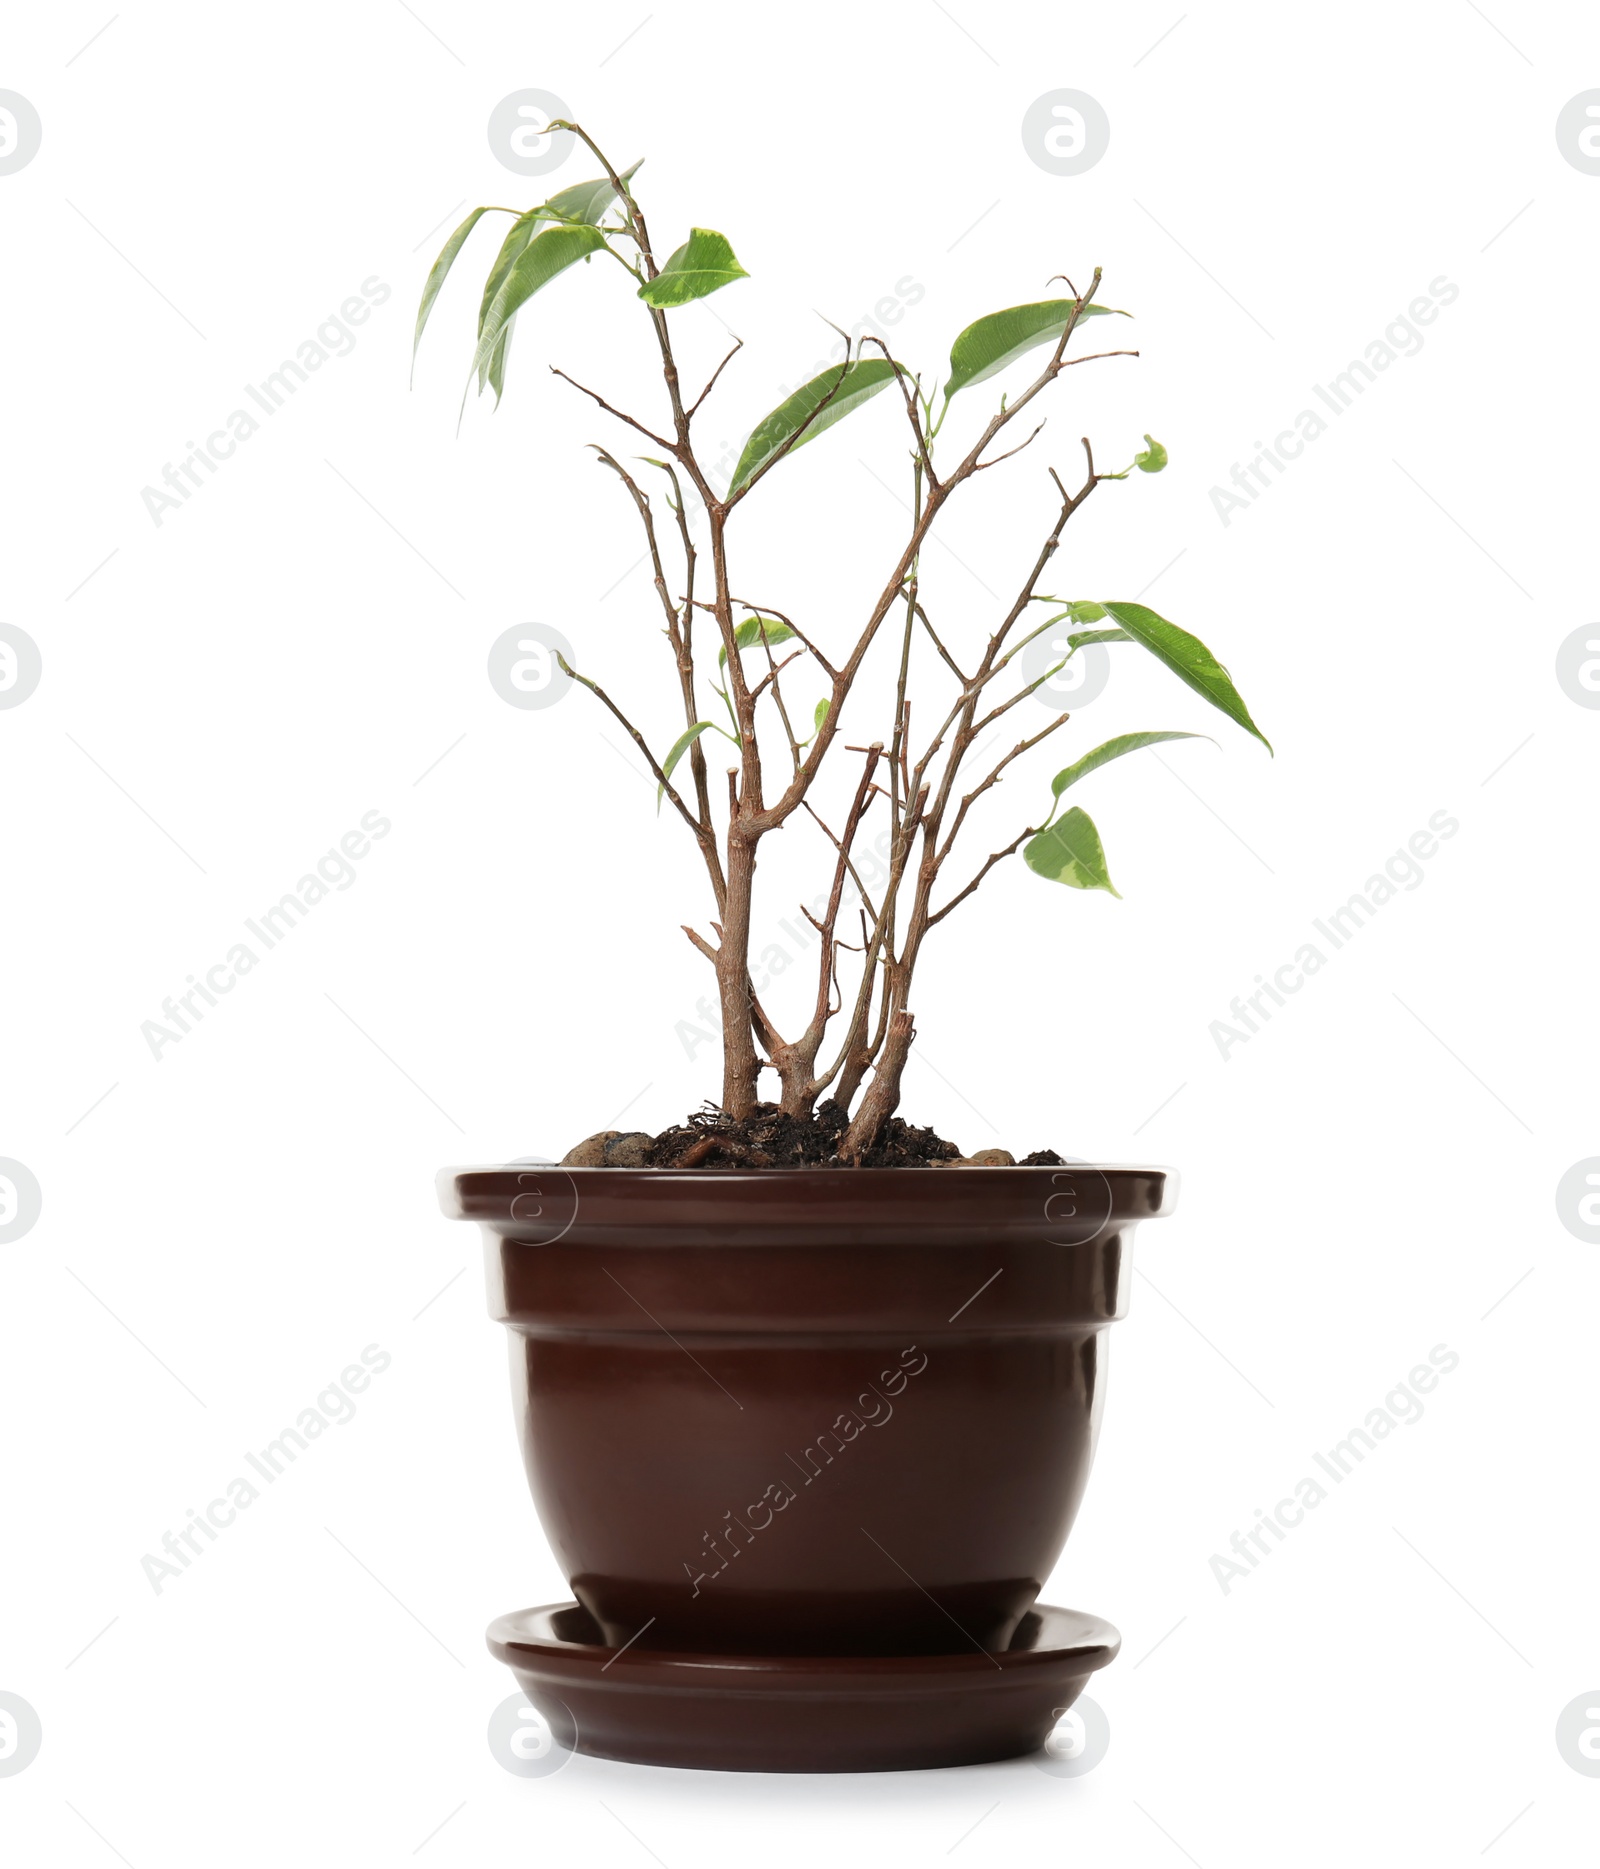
(807, 1398)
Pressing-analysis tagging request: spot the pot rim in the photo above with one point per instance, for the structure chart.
(748, 1177)
(1070, 1204)
(533, 1639)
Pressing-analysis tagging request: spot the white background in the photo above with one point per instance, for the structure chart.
(225, 695)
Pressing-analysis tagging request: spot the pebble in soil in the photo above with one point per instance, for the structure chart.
(770, 1138)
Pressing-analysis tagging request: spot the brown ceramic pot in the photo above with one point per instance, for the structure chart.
(825, 1412)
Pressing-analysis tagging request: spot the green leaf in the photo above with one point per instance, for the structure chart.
(993, 342)
(539, 262)
(702, 265)
(440, 272)
(518, 234)
(522, 230)
(1114, 749)
(1189, 659)
(496, 370)
(680, 746)
(843, 388)
(816, 722)
(1081, 638)
(1152, 459)
(1069, 852)
(750, 632)
(587, 202)
(1085, 613)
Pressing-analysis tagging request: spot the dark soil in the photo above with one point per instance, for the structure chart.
(770, 1139)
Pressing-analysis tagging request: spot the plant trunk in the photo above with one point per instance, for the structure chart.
(857, 1052)
(740, 1063)
(883, 1093)
(796, 1075)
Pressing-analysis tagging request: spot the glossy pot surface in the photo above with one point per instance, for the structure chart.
(799, 1713)
(814, 1411)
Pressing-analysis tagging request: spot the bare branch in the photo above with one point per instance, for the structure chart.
(765, 1030)
(659, 440)
(902, 376)
(998, 857)
(797, 1063)
(777, 668)
(738, 345)
(949, 660)
(1097, 356)
(861, 887)
(639, 741)
(678, 639)
(982, 726)
(641, 501)
(766, 610)
(683, 643)
(701, 943)
(984, 466)
(993, 778)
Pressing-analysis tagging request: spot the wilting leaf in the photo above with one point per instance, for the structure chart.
(1152, 459)
(441, 270)
(1085, 613)
(993, 342)
(1188, 658)
(702, 265)
(680, 746)
(750, 632)
(1069, 852)
(1110, 750)
(521, 231)
(845, 386)
(587, 202)
(1080, 639)
(496, 371)
(539, 262)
